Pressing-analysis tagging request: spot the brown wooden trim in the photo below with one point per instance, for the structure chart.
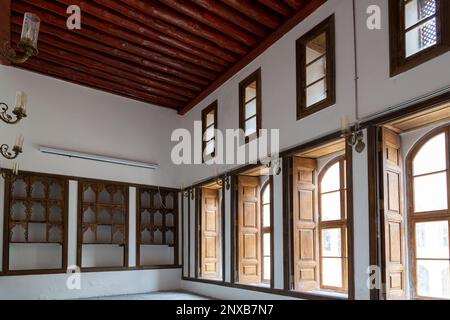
(189, 232)
(303, 110)
(197, 228)
(350, 224)
(288, 250)
(280, 292)
(399, 63)
(233, 225)
(374, 215)
(254, 77)
(6, 234)
(211, 108)
(272, 238)
(222, 221)
(252, 55)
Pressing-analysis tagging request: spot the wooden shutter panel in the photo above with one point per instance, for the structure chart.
(393, 216)
(210, 233)
(305, 224)
(249, 230)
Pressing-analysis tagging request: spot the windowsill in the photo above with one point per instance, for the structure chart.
(323, 293)
(260, 285)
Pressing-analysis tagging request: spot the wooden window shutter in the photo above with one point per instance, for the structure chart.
(305, 224)
(210, 233)
(249, 241)
(393, 216)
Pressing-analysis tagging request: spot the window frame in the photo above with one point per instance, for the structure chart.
(267, 230)
(399, 63)
(327, 26)
(413, 217)
(340, 224)
(211, 108)
(254, 77)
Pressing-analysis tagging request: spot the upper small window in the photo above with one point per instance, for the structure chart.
(250, 105)
(209, 125)
(316, 69)
(419, 32)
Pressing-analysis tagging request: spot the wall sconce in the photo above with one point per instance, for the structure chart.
(16, 150)
(354, 136)
(11, 175)
(27, 43)
(189, 193)
(273, 165)
(219, 181)
(20, 109)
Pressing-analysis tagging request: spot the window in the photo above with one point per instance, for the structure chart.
(253, 235)
(430, 216)
(266, 233)
(332, 226)
(250, 105)
(419, 32)
(35, 228)
(316, 69)
(209, 125)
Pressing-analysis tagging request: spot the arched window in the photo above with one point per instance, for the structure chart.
(266, 232)
(332, 226)
(429, 214)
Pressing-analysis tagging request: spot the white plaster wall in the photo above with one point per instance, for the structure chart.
(93, 284)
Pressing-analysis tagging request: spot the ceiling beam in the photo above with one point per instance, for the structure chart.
(280, 32)
(110, 25)
(160, 12)
(68, 74)
(91, 55)
(125, 46)
(212, 20)
(296, 4)
(5, 15)
(277, 6)
(230, 14)
(256, 13)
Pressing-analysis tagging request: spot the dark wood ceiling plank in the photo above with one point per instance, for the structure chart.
(256, 13)
(277, 6)
(84, 79)
(113, 24)
(158, 11)
(173, 84)
(96, 69)
(212, 20)
(107, 50)
(169, 30)
(232, 15)
(5, 14)
(280, 32)
(101, 37)
(296, 4)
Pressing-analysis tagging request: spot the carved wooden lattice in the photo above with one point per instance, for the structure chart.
(37, 209)
(156, 217)
(104, 213)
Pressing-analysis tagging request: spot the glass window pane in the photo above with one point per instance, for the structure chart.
(266, 194)
(250, 91)
(331, 179)
(332, 272)
(431, 157)
(209, 119)
(432, 240)
(266, 215)
(266, 239)
(433, 279)
(250, 109)
(250, 126)
(331, 243)
(316, 47)
(316, 71)
(421, 37)
(316, 93)
(430, 192)
(266, 268)
(209, 134)
(417, 10)
(330, 206)
(209, 148)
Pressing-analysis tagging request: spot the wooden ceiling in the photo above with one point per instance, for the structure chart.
(171, 53)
